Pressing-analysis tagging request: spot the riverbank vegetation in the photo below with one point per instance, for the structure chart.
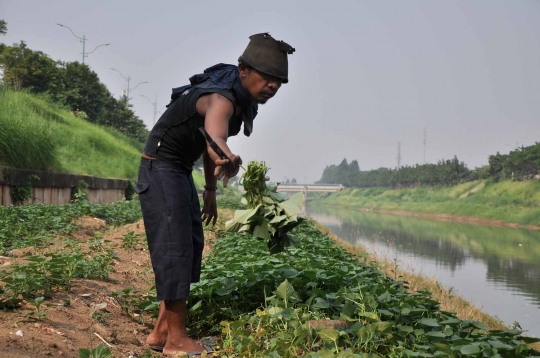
(505, 201)
(313, 300)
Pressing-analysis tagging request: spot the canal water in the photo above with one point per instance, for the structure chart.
(497, 269)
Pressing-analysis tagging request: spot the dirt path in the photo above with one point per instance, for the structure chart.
(73, 318)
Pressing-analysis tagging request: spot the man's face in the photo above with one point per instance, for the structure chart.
(261, 86)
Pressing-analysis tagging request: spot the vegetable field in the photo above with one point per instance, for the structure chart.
(316, 300)
(311, 300)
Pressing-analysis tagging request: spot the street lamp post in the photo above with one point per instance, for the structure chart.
(156, 111)
(83, 41)
(153, 104)
(128, 80)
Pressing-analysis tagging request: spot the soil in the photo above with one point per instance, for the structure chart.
(69, 323)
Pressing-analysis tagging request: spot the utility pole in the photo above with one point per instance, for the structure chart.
(398, 156)
(425, 140)
(153, 104)
(83, 41)
(128, 80)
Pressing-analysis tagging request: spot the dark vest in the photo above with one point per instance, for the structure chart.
(175, 138)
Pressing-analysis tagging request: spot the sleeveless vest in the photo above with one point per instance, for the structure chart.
(175, 137)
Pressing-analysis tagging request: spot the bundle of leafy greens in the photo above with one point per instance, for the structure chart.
(269, 216)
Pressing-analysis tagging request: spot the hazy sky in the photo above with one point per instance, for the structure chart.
(366, 74)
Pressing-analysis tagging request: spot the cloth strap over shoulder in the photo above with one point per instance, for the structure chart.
(225, 77)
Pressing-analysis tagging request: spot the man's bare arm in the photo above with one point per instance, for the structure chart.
(217, 110)
(209, 168)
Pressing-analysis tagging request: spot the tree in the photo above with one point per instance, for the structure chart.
(118, 116)
(3, 27)
(32, 70)
(293, 181)
(354, 167)
(71, 84)
(84, 91)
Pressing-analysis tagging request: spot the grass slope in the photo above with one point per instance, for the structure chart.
(513, 202)
(38, 134)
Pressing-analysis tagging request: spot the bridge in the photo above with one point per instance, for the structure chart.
(324, 188)
(327, 188)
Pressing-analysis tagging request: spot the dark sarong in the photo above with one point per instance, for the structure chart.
(172, 219)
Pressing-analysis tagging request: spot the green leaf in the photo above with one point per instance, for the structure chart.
(285, 290)
(406, 329)
(261, 231)
(450, 321)
(370, 316)
(321, 303)
(436, 334)
(382, 326)
(348, 309)
(290, 208)
(278, 196)
(326, 353)
(196, 306)
(245, 228)
(499, 345)
(431, 322)
(345, 355)
(84, 353)
(329, 335)
(470, 349)
(385, 297)
(278, 219)
(244, 216)
(529, 340)
(479, 325)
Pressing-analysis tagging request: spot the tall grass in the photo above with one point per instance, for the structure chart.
(38, 134)
(26, 140)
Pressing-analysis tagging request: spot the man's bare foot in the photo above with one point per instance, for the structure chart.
(156, 340)
(183, 345)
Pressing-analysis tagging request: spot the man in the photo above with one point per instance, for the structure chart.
(221, 99)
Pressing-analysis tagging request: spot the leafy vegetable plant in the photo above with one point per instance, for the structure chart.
(269, 216)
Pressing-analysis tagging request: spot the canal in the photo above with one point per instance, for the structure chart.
(497, 269)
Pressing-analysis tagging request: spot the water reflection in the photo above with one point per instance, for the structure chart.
(497, 268)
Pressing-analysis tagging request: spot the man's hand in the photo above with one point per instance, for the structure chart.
(209, 209)
(221, 171)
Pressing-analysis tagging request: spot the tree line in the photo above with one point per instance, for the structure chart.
(72, 84)
(520, 164)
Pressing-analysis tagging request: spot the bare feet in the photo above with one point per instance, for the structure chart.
(185, 344)
(155, 339)
(158, 337)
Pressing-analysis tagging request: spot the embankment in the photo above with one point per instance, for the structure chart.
(505, 203)
(39, 134)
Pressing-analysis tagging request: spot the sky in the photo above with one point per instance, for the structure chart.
(366, 75)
